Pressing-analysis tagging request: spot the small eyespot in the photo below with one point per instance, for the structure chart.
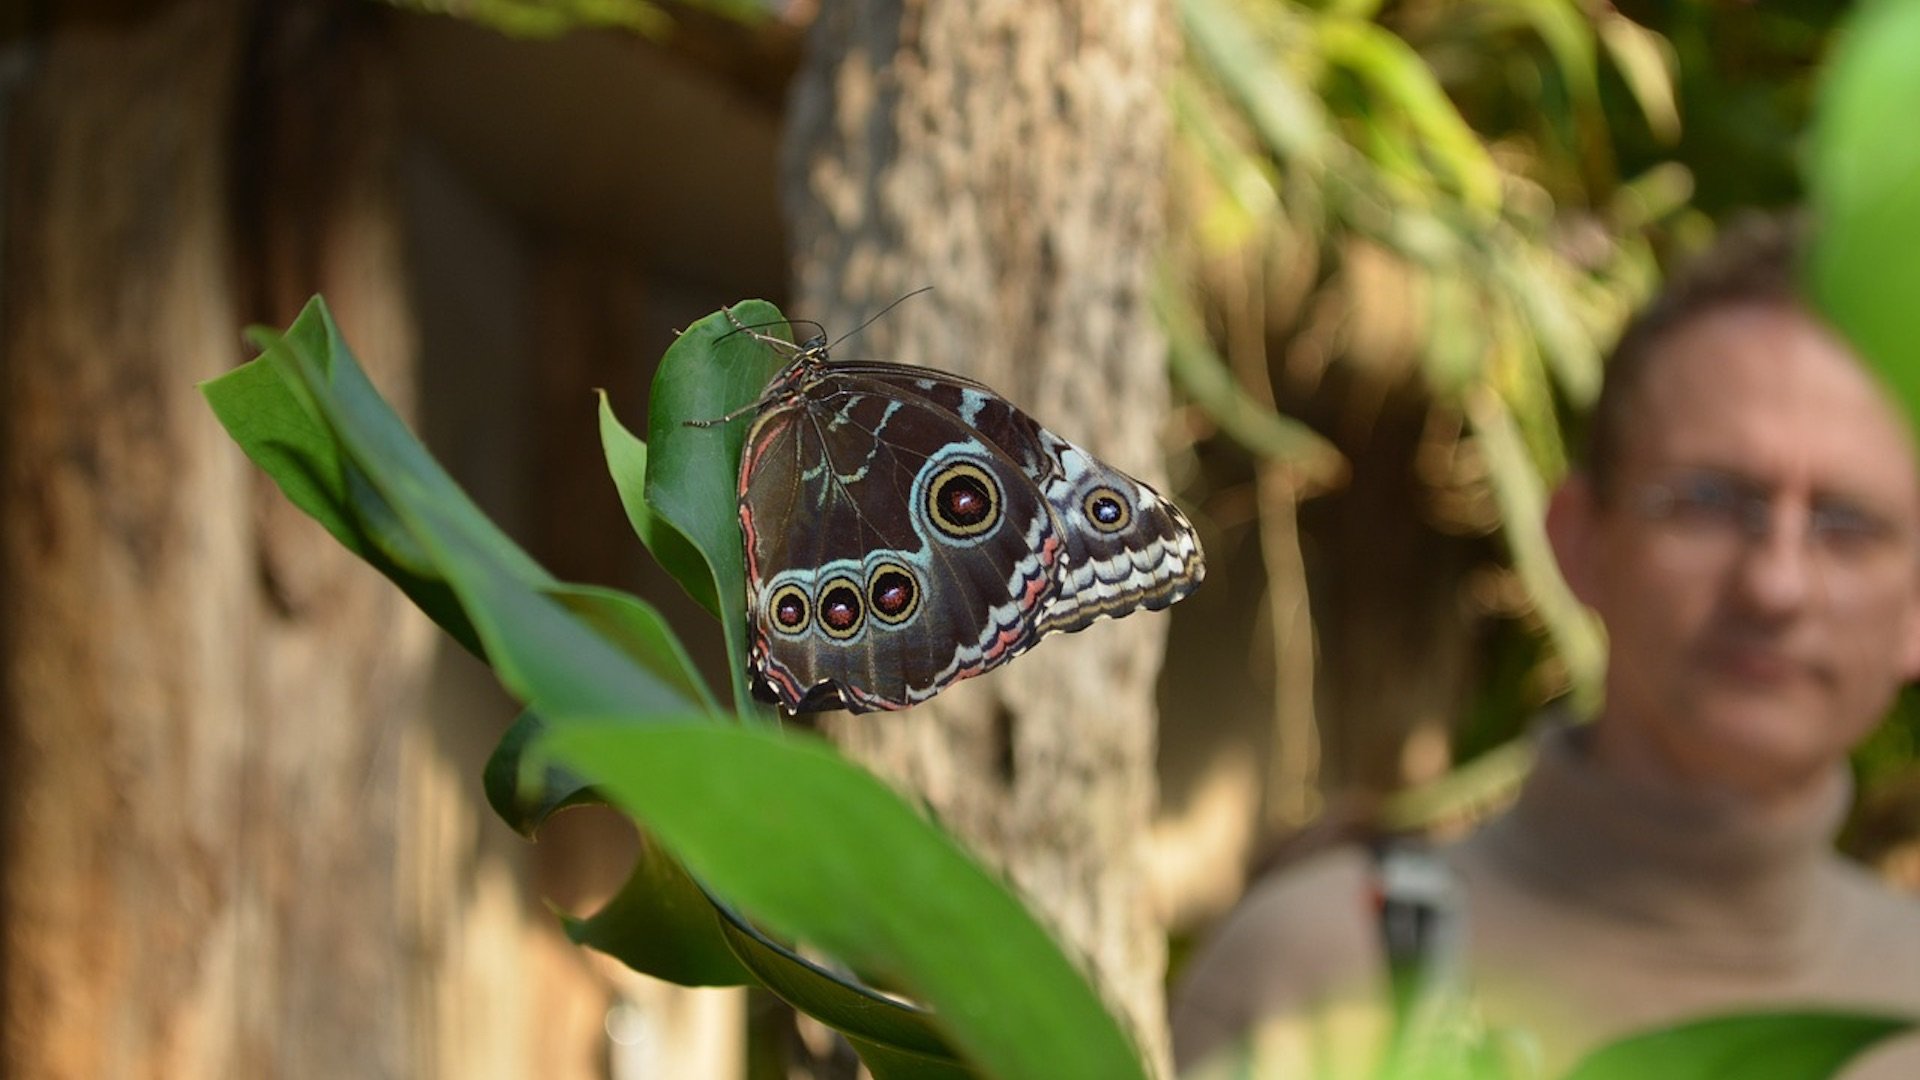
(893, 593)
(963, 501)
(1107, 510)
(789, 609)
(841, 611)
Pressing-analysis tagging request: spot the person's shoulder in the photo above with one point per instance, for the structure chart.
(1887, 908)
(1302, 935)
(1307, 923)
(1336, 877)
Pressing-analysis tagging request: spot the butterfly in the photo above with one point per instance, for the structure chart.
(906, 528)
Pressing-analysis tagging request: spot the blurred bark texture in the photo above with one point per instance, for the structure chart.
(1012, 156)
(231, 845)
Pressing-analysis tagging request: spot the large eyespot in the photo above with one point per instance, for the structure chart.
(893, 593)
(841, 610)
(789, 609)
(1106, 510)
(963, 501)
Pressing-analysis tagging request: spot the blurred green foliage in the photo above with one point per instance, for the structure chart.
(551, 18)
(1473, 194)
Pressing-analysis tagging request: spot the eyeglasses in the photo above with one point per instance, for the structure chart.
(1709, 505)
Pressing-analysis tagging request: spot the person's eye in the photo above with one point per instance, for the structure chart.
(1710, 500)
(1845, 527)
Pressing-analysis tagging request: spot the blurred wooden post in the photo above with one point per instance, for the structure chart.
(1012, 156)
(229, 850)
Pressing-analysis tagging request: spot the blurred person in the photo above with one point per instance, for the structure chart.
(1747, 527)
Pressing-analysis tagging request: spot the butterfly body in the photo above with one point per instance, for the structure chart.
(906, 528)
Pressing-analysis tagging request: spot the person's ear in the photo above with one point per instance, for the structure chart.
(1572, 526)
(1910, 648)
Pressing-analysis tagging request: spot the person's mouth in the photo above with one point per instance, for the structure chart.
(1757, 665)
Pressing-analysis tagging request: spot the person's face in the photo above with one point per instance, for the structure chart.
(1756, 560)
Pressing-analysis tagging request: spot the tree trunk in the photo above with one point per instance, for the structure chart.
(220, 804)
(1011, 156)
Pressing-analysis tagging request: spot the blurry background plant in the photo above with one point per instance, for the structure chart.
(1407, 232)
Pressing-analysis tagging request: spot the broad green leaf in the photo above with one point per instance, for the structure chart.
(1751, 1046)
(627, 462)
(892, 1063)
(544, 655)
(637, 629)
(866, 1015)
(524, 788)
(820, 851)
(821, 848)
(283, 433)
(712, 371)
(662, 923)
(1864, 185)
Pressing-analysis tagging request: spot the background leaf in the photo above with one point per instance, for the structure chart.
(1751, 1046)
(1864, 184)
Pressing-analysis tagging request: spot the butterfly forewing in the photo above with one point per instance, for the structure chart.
(1125, 547)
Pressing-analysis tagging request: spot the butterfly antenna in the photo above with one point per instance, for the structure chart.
(752, 330)
(878, 314)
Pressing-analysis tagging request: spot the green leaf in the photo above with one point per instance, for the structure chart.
(627, 462)
(866, 1015)
(691, 473)
(1864, 186)
(820, 851)
(633, 626)
(1751, 1046)
(552, 18)
(1406, 84)
(1522, 495)
(818, 847)
(285, 435)
(1648, 66)
(1564, 29)
(524, 788)
(663, 924)
(892, 1063)
(1205, 378)
(1282, 106)
(542, 653)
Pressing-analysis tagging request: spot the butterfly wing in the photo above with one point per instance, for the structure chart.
(907, 528)
(891, 550)
(1125, 546)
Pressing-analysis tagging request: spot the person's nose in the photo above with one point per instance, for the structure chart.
(1776, 574)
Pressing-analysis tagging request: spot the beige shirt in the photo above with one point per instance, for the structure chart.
(1595, 907)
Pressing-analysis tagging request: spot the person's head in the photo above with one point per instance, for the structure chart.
(1748, 528)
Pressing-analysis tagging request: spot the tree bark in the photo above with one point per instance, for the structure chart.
(231, 845)
(1011, 156)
